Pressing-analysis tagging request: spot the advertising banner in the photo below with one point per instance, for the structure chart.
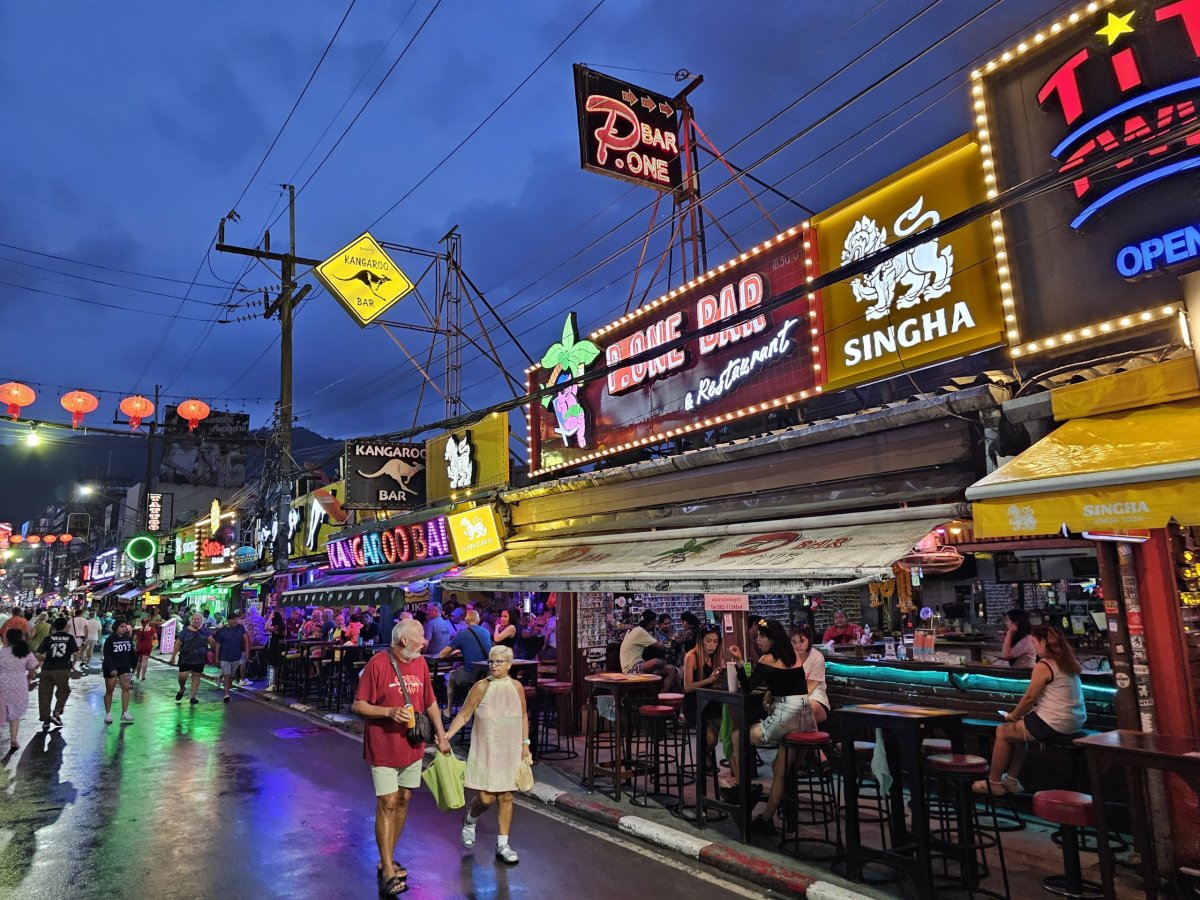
(363, 279)
(696, 382)
(937, 301)
(387, 545)
(166, 638)
(626, 131)
(475, 533)
(315, 516)
(384, 475)
(1107, 99)
(469, 460)
(213, 455)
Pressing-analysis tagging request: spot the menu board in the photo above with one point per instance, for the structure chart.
(593, 612)
(998, 598)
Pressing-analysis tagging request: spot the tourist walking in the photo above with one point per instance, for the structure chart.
(191, 649)
(79, 630)
(41, 630)
(393, 688)
(118, 664)
(499, 744)
(56, 653)
(144, 646)
(17, 665)
(233, 645)
(94, 628)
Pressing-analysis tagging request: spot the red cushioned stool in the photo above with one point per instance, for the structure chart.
(962, 833)
(810, 796)
(687, 759)
(656, 758)
(1071, 811)
(553, 698)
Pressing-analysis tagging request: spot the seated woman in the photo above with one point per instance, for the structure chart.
(783, 674)
(703, 667)
(814, 670)
(1051, 712)
(1017, 649)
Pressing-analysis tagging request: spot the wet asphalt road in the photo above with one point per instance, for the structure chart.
(248, 801)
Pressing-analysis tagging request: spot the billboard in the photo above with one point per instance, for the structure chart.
(213, 455)
(626, 131)
(384, 545)
(936, 301)
(315, 516)
(1105, 98)
(475, 533)
(469, 460)
(384, 475)
(363, 279)
(699, 380)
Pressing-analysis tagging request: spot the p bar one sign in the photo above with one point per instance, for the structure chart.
(363, 279)
(627, 131)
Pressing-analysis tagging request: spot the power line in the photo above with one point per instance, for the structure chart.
(90, 302)
(80, 262)
(124, 287)
(499, 106)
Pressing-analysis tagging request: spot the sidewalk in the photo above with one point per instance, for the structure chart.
(778, 873)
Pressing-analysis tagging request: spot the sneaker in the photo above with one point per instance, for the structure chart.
(468, 834)
(179, 695)
(126, 718)
(227, 698)
(45, 724)
(995, 788)
(57, 720)
(1012, 785)
(108, 719)
(507, 854)
(194, 701)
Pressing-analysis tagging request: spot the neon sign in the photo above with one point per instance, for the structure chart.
(1108, 99)
(627, 132)
(398, 545)
(697, 380)
(1172, 248)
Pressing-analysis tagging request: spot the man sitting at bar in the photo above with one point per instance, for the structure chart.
(633, 652)
(473, 644)
(842, 631)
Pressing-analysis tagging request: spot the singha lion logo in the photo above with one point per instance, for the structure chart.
(399, 471)
(459, 466)
(923, 272)
(474, 528)
(1022, 518)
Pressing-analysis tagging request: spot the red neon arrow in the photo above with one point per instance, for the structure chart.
(665, 109)
(647, 103)
(629, 97)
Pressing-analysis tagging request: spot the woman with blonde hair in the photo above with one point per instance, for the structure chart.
(499, 743)
(1051, 712)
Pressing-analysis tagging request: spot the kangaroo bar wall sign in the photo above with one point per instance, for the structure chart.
(697, 382)
(626, 131)
(384, 475)
(1107, 98)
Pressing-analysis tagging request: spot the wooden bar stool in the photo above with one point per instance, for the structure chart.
(810, 797)
(961, 834)
(657, 759)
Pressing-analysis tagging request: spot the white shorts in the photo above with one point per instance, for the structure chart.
(230, 668)
(784, 717)
(389, 779)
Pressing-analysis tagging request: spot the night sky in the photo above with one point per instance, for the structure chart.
(133, 127)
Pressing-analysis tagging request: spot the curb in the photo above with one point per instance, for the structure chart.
(722, 857)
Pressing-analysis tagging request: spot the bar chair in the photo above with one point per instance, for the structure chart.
(1072, 812)
(656, 757)
(553, 696)
(962, 834)
(810, 795)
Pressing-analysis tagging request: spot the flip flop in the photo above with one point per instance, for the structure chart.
(401, 872)
(393, 887)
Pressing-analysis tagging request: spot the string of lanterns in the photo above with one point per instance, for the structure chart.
(16, 396)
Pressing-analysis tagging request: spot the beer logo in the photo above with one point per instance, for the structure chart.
(922, 273)
(459, 466)
(1021, 518)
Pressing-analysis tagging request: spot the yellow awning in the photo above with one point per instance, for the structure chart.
(1126, 470)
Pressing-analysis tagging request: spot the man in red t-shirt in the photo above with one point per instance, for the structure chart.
(395, 763)
(842, 631)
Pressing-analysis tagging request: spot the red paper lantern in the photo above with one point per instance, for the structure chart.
(50, 539)
(33, 539)
(16, 395)
(16, 538)
(193, 411)
(79, 404)
(137, 408)
(65, 538)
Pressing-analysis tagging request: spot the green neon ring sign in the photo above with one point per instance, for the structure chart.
(141, 549)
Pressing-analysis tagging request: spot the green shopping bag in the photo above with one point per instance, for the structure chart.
(444, 778)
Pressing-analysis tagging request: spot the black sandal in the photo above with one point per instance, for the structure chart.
(401, 872)
(393, 887)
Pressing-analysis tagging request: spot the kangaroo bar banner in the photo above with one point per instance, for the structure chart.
(384, 475)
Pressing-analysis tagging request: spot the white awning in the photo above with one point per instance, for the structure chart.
(770, 558)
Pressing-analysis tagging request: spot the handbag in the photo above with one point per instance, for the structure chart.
(524, 776)
(444, 778)
(421, 730)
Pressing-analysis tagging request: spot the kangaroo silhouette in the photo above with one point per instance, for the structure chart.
(399, 471)
(370, 279)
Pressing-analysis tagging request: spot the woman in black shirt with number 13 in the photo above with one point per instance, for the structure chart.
(119, 660)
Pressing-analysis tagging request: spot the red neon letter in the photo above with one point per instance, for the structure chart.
(606, 134)
(1189, 12)
(1065, 83)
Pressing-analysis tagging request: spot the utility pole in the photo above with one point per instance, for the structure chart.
(284, 306)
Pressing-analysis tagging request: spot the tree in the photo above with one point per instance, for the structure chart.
(569, 354)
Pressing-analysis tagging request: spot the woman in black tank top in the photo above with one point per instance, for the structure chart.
(702, 667)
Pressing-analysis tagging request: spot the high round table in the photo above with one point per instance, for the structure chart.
(619, 686)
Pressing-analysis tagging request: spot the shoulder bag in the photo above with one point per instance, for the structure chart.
(421, 730)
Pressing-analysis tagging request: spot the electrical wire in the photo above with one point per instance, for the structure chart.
(90, 302)
(124, 287)
(80, 262)
(496, 109)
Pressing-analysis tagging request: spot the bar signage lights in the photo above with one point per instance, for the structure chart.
(1147, 257)
(627, 132)
(393, 546)
(695, 383)
(384, 475)
(1105, 97)
(475, 533)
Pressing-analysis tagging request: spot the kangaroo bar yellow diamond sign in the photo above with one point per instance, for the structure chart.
(364, 279)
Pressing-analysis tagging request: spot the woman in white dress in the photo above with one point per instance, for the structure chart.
(499, 742)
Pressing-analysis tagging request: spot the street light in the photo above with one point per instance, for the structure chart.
(86, 490)
(32, 439)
